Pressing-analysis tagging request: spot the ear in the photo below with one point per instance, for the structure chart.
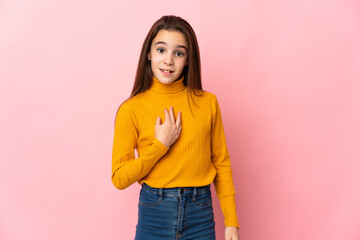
(149, 56)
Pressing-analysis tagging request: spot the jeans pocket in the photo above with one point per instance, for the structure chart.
(204, 199)
(149, 199)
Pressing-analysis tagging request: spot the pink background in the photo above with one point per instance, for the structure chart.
(286, 74)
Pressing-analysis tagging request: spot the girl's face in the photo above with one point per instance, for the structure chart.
(168, 55)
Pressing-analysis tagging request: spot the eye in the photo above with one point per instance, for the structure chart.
(179, 54)
(160, 50)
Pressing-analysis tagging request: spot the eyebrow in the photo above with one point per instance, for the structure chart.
(179, 46)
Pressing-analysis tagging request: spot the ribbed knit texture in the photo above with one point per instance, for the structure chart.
(197, 158)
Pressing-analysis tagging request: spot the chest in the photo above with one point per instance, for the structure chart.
(195, 123)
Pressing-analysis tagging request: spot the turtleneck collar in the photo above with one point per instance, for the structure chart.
(174, 87)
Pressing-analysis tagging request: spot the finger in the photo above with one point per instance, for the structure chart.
(172, 115)
(178, 120)
(157, 120)
(167, 117)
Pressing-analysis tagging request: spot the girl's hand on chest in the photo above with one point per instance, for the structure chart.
(169, 131)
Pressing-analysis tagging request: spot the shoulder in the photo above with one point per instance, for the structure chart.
(209, 101)
(125, 109)
(210, 97)
(130, 103)
(213, 103)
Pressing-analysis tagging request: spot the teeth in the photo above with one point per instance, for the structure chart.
(165, 71)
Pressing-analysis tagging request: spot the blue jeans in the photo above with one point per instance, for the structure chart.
(175, 213)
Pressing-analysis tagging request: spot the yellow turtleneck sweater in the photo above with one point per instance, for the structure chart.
(197, 158)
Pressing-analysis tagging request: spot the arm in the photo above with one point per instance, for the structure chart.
(220, 157)
(125, 168)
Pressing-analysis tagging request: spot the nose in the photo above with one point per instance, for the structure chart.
(168, 59)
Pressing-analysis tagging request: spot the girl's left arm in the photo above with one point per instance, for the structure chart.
(220, 157)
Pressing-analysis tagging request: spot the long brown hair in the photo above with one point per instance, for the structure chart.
(191, 72)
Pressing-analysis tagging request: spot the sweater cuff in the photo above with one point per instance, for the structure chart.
(228, 207)
(159, 145)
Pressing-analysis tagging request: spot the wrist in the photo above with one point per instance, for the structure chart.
(232, 227)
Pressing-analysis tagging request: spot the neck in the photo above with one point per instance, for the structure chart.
(174, 87)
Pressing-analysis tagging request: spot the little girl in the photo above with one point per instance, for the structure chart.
(181, 151)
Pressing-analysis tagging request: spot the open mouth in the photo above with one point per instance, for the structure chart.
(166, 71)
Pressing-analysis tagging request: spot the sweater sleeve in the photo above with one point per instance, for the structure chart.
(220, 157)
(126, 170)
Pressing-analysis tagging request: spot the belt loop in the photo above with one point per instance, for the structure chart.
(194, 195)
(161, 193)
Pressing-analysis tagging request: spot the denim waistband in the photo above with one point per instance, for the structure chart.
(177, 191)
